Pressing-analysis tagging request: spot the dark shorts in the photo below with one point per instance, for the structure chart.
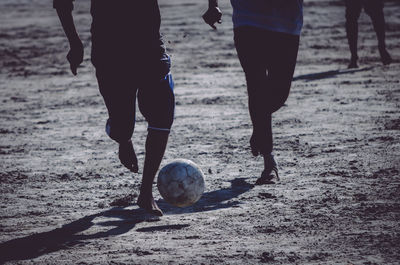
(151, 84)
(268, 59)
(371, 7)
(131, 64)
(126, 32)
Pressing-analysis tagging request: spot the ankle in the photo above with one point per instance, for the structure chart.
(125, 142)
(145, 194)
(269, 161)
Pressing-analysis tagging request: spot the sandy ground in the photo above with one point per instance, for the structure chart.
(65, 199)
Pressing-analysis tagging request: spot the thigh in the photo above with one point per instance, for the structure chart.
(119, 94)
(353, 9)
(156, 96)
(281, 60)
(373, 7)
(251, 49)
(118, 89)
(282, 56)
(251, 46)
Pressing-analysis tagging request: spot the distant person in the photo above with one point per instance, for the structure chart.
(374, 8)
(130, 60)
(266, 35)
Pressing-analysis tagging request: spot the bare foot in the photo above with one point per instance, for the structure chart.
(128, 157)
(385, 57)
(149, 205)
(265, 179)
(270, 171)
(353, 63)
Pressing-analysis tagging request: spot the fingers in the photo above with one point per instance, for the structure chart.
(73, 63)
(213, 16)
(211, 23)
(73, 69)
(75, 58)
(133, 168)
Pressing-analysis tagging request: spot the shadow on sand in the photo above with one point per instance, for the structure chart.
(329, 74)
(212, 200)
(73, 233)
(70, 234)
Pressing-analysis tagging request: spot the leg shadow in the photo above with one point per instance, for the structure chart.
(329, 74)
(71, 234)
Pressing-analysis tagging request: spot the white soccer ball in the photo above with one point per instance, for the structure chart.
(181, 183)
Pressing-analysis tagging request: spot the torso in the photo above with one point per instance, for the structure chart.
(126, 30)
(275, 15)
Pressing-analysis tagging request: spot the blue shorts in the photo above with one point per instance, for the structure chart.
(150, 82)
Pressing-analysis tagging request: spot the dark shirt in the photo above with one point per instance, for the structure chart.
(274, 15)
(66, 4)
(126, 30)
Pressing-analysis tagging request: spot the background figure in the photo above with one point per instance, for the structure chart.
(266, 35)
(374, 8)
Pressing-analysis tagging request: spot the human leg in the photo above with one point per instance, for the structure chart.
(251, 55)
(281, 58)
(119, 95)
(156, 144)
(268, 64)
(281, 61)
(156, 103)
(261, 141)
(353, 11)
(374, 8)
(270, 170)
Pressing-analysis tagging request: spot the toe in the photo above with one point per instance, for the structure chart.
(157, 212)
(150, 206)
(265, 179)
(135, 169)
(127, 156)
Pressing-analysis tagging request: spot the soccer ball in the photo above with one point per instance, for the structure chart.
(181, 183)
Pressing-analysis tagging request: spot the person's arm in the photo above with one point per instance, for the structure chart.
(213, 14)
(64, 11)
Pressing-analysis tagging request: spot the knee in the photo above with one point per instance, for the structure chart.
(256, 81)
(352, 16)
(351, 19)
(277, 104)
(376, 15)
(119, 131)
(277, 100)
(158, 105)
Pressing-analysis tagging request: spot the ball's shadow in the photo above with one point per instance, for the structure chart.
(213, 200)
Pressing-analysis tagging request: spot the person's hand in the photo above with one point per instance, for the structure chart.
(75, 55)
(212, 15)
